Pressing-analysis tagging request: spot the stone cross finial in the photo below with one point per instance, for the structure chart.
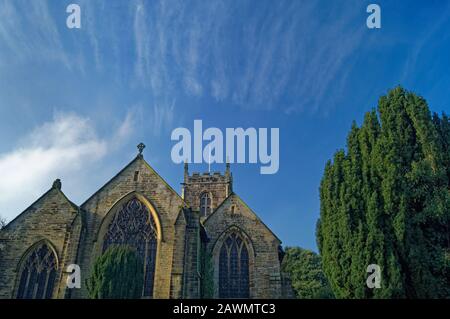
(57, 184)
(186, 171)
(140, 148)
(227, 167)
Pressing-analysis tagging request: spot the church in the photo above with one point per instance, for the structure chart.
(171, 233)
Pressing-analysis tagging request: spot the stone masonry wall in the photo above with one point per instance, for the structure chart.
(265, 276)
(52, 219)
(138, 178)
(219, 186)
(192, 255)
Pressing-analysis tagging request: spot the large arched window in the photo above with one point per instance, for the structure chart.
(233, 268)
(205, 204)
(38, 273)
(133, 225)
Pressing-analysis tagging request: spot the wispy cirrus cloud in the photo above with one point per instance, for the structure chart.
(28, 31)
(162, 116)
(264, 55)
(254, 61)
(421, 40)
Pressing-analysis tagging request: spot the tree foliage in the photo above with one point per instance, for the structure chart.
(207, 274)
(305, 271)
(385, 201)
(117, 274)
(3, 222)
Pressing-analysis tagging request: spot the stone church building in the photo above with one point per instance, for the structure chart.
(168, 231)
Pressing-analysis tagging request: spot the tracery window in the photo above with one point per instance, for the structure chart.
(233, 268)
(37, 277)
(133, 225)
(205, 204)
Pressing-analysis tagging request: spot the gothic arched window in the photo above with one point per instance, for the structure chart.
(37, 277)
(133, 225)
(205, 204)
(233, 268)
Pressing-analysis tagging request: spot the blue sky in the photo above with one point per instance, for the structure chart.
(74, 103)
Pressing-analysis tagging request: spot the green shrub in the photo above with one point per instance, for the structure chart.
(117, 274)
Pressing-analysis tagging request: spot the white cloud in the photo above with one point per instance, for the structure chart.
(59, 148)
(142, 44)
(162, 116)
(192, 86)
(219, 90)
(125, 129)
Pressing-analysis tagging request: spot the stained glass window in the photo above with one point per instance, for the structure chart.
(233, 268)
(205, 204)
(37, 278)
(133, 225)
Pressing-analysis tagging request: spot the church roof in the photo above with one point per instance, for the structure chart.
(139, 157)
(55, 187)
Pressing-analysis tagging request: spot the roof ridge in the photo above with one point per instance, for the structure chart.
(248, 207)
(138, 157)
(39, 199)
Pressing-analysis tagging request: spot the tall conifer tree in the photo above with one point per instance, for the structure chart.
(386, 201)
(117, 274)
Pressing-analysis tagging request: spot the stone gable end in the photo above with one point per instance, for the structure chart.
(137, 179)
(52, 219)
(233, 215)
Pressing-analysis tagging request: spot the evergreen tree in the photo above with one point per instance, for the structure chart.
(386, 201)
(117, 274)
(3, 222)
(207, 274)
(305, 271)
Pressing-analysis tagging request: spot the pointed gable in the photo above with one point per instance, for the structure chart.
(234, 211)
(53, 204)
(138, 176)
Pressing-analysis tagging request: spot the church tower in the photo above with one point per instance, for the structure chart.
(205, 192)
